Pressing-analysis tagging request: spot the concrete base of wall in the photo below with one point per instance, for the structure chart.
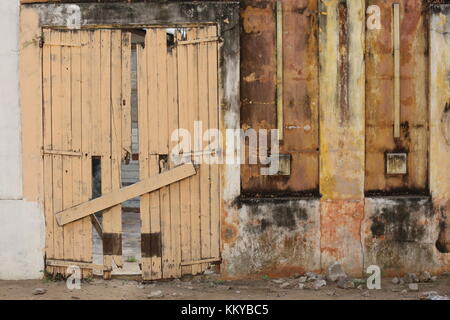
(272, 237)
(280, 237)
(22, 240)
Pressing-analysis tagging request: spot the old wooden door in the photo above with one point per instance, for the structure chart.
(177, 85)
(86, 113)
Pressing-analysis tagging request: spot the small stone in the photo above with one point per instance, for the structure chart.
(411, 278)
(404, 292)
(155, 294)
(346, 283)
(208, 272)
(413, 287)
(432, 295)
(39, 291)
(302, 279)
(366, 294)
(238, 292)
(285, 285)
(331, 293)
(278, 281)
(319, 284)
(360, 287)
(312, 276)
(75, 298)
(434, 279)
(396, 280)
(190, 288)
(301, 286)
(335, 272)
(425, 276)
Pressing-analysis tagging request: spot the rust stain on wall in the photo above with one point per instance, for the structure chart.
(258, 91)
(414, 101)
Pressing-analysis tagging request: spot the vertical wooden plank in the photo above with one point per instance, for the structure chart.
(86, 125)
(396, 7)
(204, 171)
(163, 149)
(193, 103)
(48, 167)
(57, 135)
(213, 104)
(76, 93)
(143, 158)
(152, 78)
(185, 209)
(163, 125)
(105, 114)
(126, 95)
(154, 147)
(96, 71)
(67, 186)
(173, 114)
(116, 140)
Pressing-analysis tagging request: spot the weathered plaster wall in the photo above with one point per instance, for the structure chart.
(342, 95)
(21, 222)
(283, 236)
(440, 119)
(399, 235)
(273, 237)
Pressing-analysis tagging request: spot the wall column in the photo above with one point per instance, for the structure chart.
(342, 131)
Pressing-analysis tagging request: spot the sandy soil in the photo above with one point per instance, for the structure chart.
(209, 287)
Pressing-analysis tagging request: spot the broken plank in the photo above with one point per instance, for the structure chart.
(82, 265)
(118, 196)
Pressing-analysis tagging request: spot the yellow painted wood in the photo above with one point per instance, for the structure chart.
(213, 104)
(96, 129)
(193, 103)
(173, 124)
(163, 148)
(143, 150)
(76, 94)
(204, 170)
(87, 52)
(105, 123)
(118, 196)
(66, 106)
(116, 132)
(185, 208)
(83, 265)
(126, 95)
(57, 143)
(48, 167)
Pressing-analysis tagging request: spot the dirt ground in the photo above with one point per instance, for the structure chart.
(209, 288)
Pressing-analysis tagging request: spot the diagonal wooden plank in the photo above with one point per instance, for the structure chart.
(118, 196)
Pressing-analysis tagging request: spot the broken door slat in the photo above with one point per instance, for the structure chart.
(118, 196)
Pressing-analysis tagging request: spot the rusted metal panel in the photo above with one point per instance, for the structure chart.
(413, 94)
(300, 91)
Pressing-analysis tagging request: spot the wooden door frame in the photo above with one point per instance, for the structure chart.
(35, 17)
